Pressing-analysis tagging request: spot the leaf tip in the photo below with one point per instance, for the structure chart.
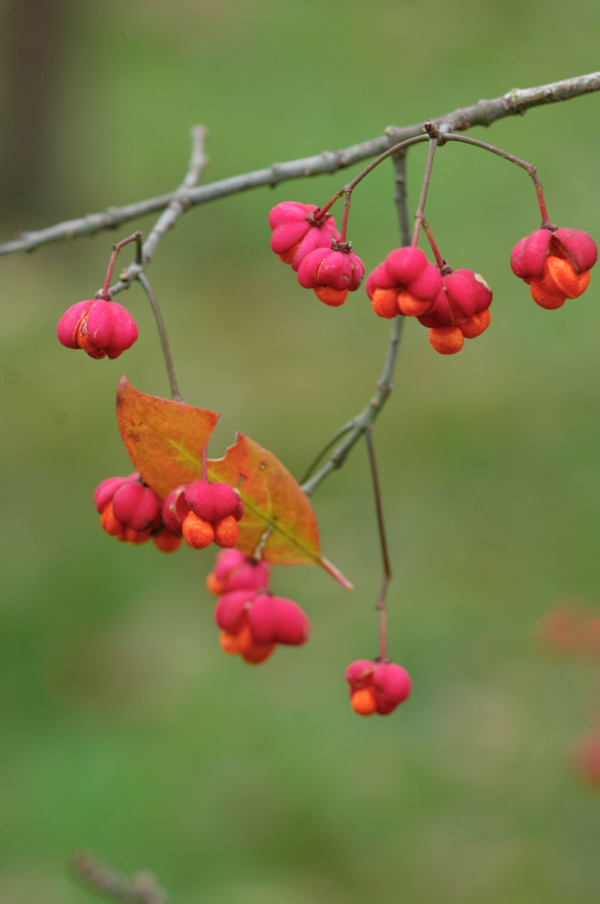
(123, 386)
(336, 574)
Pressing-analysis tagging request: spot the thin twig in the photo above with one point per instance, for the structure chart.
(387, 568)
(483, 113)
(420, 214)
(349, 188)
(367, 417)
(180, 204)
(529, 167)
(175, 209)
(325, 449)
(162, 332)
(104, 292)
(400, 195)
(142, 888)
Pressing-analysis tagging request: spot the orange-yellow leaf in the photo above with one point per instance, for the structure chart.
(273, 501)
(164, 439)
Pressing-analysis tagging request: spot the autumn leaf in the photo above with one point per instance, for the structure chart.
(165, 439)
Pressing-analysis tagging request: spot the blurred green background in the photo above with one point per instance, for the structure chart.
(125, 730)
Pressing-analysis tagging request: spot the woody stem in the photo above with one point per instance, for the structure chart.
(365, 172)
(436, 251)
(134, 237)
(528, 167)
(162, 332)
(347, 203)
(420, 214)
(387, 570)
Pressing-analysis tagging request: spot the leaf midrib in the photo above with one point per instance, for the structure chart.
(197, 463)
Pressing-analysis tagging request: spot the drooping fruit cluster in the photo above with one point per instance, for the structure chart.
(585, 757)
(200, 512)
(568, 630)
(377, 687)
(453, 304)
(555, 263)
(251, 619)
(130, 511)
(204, 513)
(101, 328)
(314, 248)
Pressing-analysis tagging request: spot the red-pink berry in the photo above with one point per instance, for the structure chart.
(275, 619)
(232, 608)
(136, 506)
(101, 328)
(213, 501)
(405, 283)
(296, 231)
(459, 311)
(528, 256)
(377, 686)
(175, 510)
(235, 571)
(331, 273)
(105, 491)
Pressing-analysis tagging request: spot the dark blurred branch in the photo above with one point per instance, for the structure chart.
(34, 33)
(141, 888)
(483, 113)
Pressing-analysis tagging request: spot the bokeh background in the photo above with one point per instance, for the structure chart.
(124, 728)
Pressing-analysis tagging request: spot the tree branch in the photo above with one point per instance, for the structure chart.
(142, 888)
(175, 209)
(483, 113)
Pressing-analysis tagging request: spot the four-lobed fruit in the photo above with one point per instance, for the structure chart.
(460, 311)
(130, 511)
(235, 571)
(313, 246)
(332, 273)
(101, 328)
(200, 512)
(377, 687)
(213, 512)
(404, 283)
(253, 622)
(297, 231)
(555, 263)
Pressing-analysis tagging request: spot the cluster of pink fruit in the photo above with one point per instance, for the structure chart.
(452, 304)
(253, 622)
(312, 245)
(570, 630)
(200, 512)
